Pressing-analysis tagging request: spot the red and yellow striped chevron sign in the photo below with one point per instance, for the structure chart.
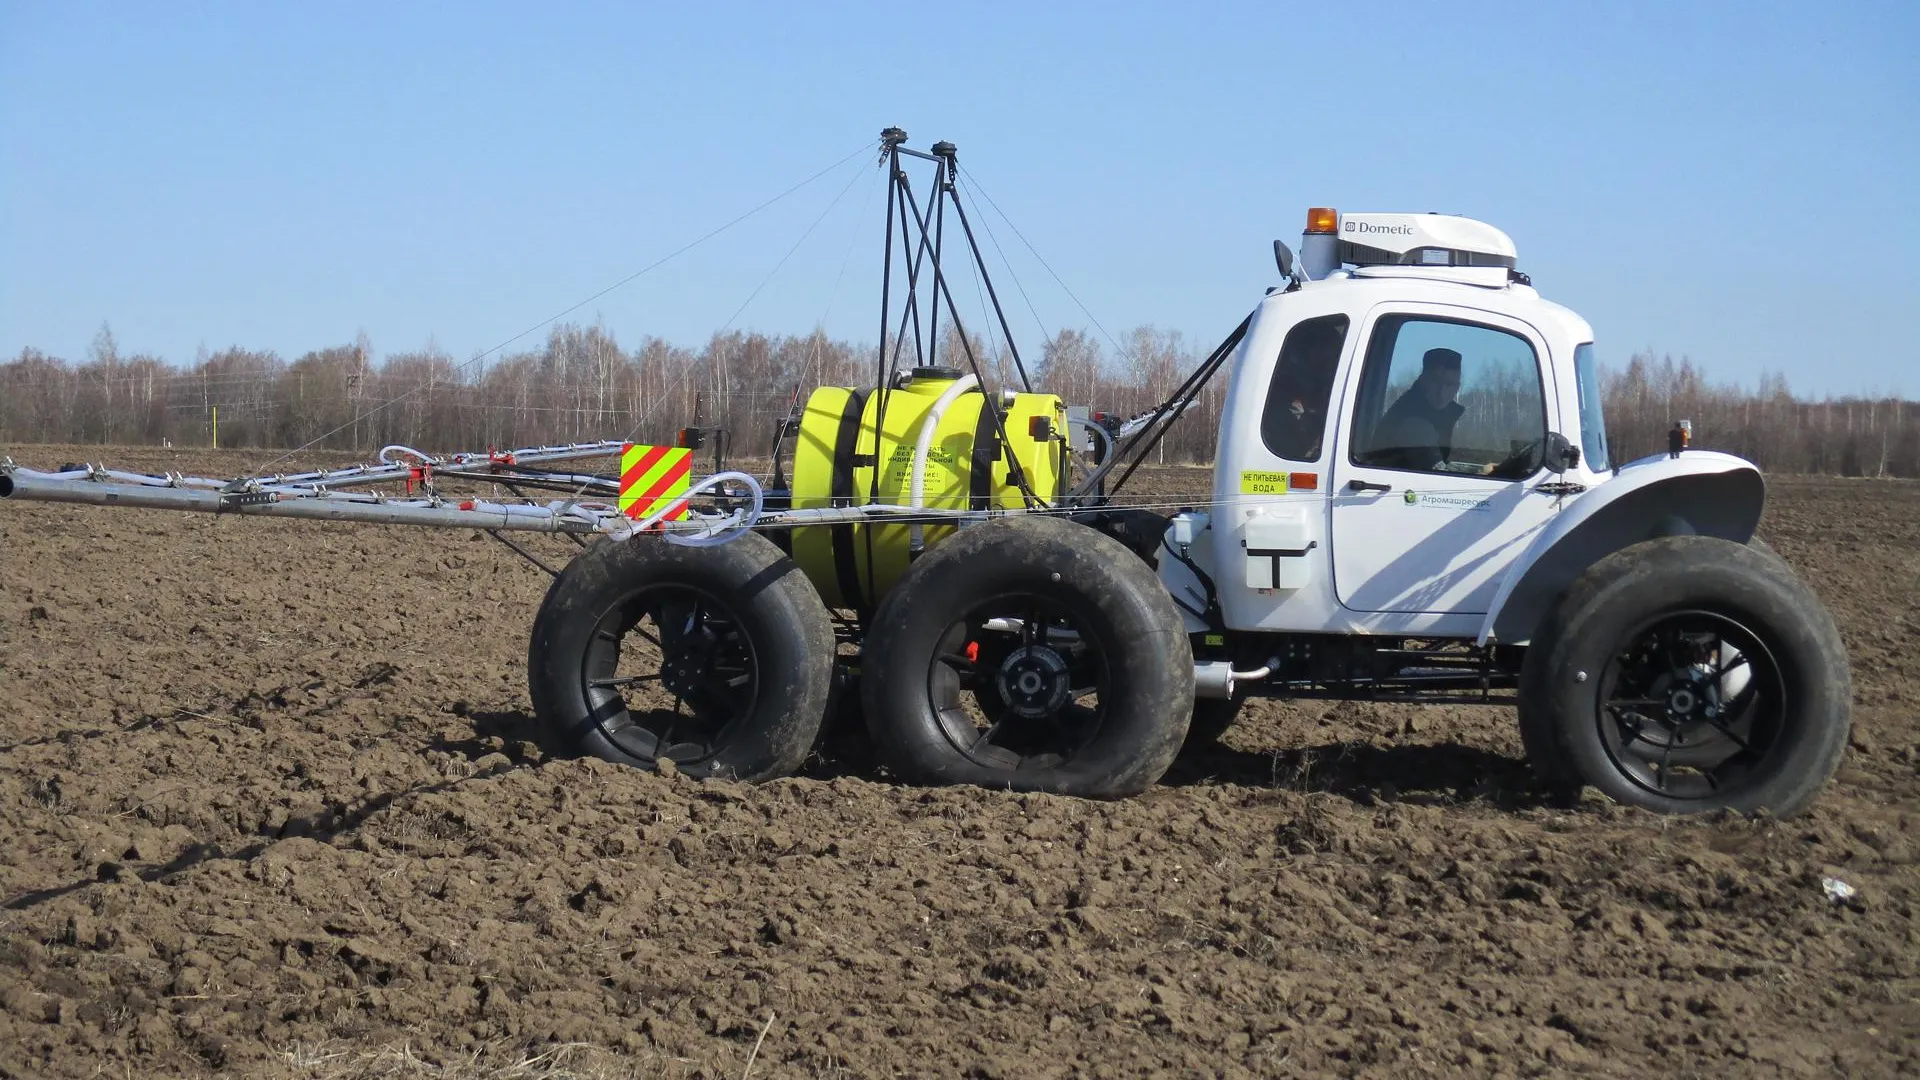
(649, 474)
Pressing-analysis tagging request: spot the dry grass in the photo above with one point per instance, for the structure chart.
(565, 1061)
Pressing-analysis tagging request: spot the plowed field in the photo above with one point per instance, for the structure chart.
(272, 803)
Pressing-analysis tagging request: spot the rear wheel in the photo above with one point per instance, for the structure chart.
(1688, 674)
(718, 658)
(1032, 654)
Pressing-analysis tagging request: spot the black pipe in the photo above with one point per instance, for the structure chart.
(914, 262)
(903, 189)
(938, 208)
(886, 264)
(1188, 390)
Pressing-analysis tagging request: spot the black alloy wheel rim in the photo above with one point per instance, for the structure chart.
(1020, 683)
(1693, 707)
(668, 672)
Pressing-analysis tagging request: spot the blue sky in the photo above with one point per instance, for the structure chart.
(1725, 181)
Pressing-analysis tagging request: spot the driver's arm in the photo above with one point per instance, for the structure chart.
(1412, 443)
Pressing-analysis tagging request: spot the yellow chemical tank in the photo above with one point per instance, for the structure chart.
(835, 455)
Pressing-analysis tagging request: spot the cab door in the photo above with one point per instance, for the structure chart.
(1436, 483)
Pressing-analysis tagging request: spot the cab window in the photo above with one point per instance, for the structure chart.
(1441, 395)
(1294, 423)
(1593, 421)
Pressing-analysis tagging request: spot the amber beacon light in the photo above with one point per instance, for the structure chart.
(1323, 219)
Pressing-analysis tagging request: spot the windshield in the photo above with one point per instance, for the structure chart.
(1593, 424)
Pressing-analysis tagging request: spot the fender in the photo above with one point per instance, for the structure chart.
(1699, 493)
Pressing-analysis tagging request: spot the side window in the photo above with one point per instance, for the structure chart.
(1436, 394)
(1593, 420)
(1294, 423)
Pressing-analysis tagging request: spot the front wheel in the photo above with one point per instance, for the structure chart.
(1032, 654)
(717, 658)
(1689, 674)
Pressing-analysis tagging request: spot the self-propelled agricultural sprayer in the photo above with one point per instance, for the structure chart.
(1413, 499)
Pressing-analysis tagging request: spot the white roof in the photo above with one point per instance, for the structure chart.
(1454, 284)
(1487, 277)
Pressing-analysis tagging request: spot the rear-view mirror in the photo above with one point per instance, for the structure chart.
(1559, 454)
(1283, 258)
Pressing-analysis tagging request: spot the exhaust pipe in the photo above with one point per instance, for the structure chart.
(1215, 678)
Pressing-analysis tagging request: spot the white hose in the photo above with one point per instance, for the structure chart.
(917, 487)
(731, 527)
(386, 451)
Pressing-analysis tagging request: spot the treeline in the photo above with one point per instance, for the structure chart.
(1849, 436)
(581, 384)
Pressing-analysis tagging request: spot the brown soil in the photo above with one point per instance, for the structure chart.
(272, 803)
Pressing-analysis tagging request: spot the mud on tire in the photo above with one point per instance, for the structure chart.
(1031, 654)
(719, 658)
(1688, 674)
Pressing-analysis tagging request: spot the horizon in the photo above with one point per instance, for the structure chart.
(470, 369)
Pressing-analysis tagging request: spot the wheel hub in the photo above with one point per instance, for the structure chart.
(1034, 681)
(686, 666)
(679, 676)
(1690, 695)
(1693, 712)
(1685, 704)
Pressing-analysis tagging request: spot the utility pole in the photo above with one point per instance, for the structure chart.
(354, 378)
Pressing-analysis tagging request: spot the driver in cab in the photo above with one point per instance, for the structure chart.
(1416, 432)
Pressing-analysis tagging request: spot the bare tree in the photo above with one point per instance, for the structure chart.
(582, 384)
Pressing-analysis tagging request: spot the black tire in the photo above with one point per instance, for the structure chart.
(1030, 654)
(1688, 674)
(1562, 779)
(719, 658)
(1765, 548)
